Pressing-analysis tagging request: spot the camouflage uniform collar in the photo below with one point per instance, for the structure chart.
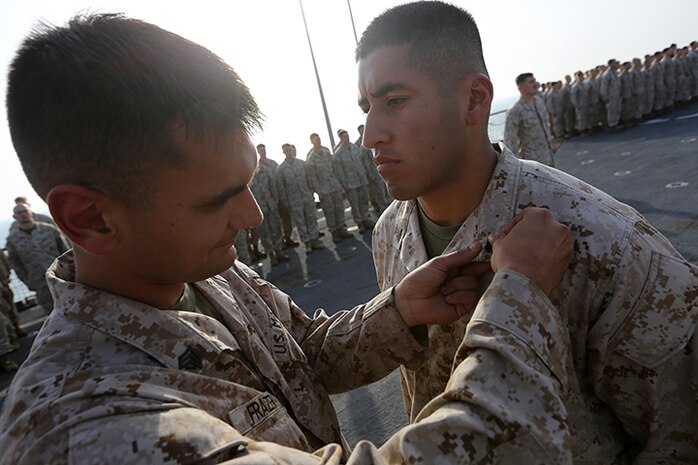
(496, 208)
(166, 336)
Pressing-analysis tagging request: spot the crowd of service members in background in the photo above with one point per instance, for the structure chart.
(617, 96)
(33, 242)
(286, 192)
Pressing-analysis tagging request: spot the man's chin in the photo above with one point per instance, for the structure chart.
(223, 263)
(400, 194)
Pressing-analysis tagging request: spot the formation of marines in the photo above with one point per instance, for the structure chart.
(618, 95)
(347, 172)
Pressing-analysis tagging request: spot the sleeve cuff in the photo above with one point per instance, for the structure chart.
(514, 304)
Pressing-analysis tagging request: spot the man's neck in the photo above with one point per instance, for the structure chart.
(454, 201)
(92, 271)
(28, 226)
(528, 98)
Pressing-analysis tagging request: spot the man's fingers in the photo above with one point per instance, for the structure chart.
(468, 283)
(467, 299)
(475, 269)
(458, 258)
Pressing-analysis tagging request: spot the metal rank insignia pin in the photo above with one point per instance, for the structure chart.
(190, 360)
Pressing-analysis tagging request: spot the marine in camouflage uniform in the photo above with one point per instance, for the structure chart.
(295, 192)
(31, 249)
(580, 100)
(9, 321)
(554, 106)
(638, 77)
(39, 217)
(352, 176)
(526, 130)
(669, 78)
(628, 102)
(568, 107)
(648, 106)
(693, 55)
(377, 192)
(7, 303)
(322, 177)
(284, 214)
(241, 247)
(610, 93)
(263, 186)
(659, 88)
(595, 116)
(8, 343)
(112, 380)
(682, 77)
(629, 300)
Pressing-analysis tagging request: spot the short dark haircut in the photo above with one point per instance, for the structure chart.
(261, 145)
(444, 40)
(313, 135)
(97, 102)
(521, 78)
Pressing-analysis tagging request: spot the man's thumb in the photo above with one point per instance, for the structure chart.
(460, 257)
(495, 236)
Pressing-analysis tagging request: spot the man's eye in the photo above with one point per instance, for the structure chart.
(396, 101)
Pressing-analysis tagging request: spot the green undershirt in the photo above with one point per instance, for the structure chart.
(193, 300)
(436, 238)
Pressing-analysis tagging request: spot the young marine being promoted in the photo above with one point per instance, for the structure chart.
(628, 297)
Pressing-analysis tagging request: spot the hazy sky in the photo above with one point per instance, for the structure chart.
(265, 42)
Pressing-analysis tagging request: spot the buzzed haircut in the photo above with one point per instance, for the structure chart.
(96, 103)
(285, 145)
(443, 39)
(521, 78)
(313, 135)
(261, 145)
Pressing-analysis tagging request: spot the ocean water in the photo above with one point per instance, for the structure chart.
(4, 230)
(498, 116)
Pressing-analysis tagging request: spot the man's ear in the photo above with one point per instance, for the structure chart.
(479, 88)
(83, 215)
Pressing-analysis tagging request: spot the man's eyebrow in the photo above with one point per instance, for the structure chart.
(221, 198)
(382, 90)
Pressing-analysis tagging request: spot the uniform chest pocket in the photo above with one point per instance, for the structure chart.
(663, 319)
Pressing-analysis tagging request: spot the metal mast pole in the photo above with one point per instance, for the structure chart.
(353, 27)
(317, 76)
